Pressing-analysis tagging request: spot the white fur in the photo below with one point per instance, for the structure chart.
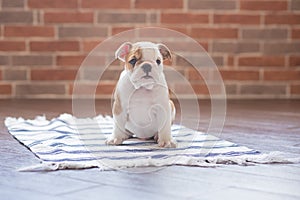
(146, 110)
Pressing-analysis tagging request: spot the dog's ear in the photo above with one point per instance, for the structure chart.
(123, 50)
(165, 52)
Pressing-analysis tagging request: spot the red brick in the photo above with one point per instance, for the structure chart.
(295, 89)
(231, 89)
(52, 4)
(280, 47)
(200, 88)
(294, 61)
(193, 46)
(165, 4)
(211, 5)
(212, 33)
(14, 74)
(113, 4)
(184, 18)
(82, 89)
(230, 60)
(13, 3)
(24, 17)
(218, 60)
(158, 33)
(40, 89)
(0, 74)
(53, 75)
(195, 88)
(263, 5)
(174, 27)
(12, 46)
(200, 60)
(262, 61)
(239, 75)
(282, 19)
(296, 33)
(93, 74)
(28, 31)
(194, 75)
(204, 44)
(287, 75)
(116, 17)
(82, 31)
(235, 47)
(70, 60)
(89, 45)
(265, 33)
(54, 46)
(103, 88)
(260, 89)
(236, 19)
(116, 30)
(182, 61)
(68, 17)
(295, 5)
(5, 89)
(32, 60)
(4, 60)
(96, 62)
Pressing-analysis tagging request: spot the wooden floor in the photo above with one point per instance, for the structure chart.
(265, 125)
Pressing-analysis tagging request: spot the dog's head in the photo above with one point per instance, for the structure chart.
(143, 62)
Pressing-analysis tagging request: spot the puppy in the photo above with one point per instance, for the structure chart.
(142, 107)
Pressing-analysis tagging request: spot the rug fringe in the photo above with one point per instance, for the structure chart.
(46, 166)
(275, 157)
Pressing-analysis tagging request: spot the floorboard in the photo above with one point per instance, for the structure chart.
(264, 125)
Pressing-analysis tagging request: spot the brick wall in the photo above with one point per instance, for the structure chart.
(255, 43)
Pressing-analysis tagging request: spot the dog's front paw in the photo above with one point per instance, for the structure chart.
(113, 141)
(169, 143)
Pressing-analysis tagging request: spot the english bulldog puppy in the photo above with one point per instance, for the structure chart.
(142, 107)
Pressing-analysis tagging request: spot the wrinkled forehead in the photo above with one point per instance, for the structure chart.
(145, 53)
(150, 53)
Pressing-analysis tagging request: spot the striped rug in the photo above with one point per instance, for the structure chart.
(67, 142)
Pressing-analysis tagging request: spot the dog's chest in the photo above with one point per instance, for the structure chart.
(140, 105)
(145, 110)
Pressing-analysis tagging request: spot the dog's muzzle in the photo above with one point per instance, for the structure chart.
(147, 69)
(145, 75)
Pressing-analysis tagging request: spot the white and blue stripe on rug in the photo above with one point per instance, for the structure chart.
(67, 142)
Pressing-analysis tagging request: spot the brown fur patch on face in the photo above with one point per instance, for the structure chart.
(117, 107)
(134, 53)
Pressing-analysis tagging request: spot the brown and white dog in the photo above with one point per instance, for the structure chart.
(142, 106)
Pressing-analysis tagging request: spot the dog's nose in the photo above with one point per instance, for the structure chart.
(146, 68)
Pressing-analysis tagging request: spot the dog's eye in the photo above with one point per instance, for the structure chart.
(133, 61)
(158, 61)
